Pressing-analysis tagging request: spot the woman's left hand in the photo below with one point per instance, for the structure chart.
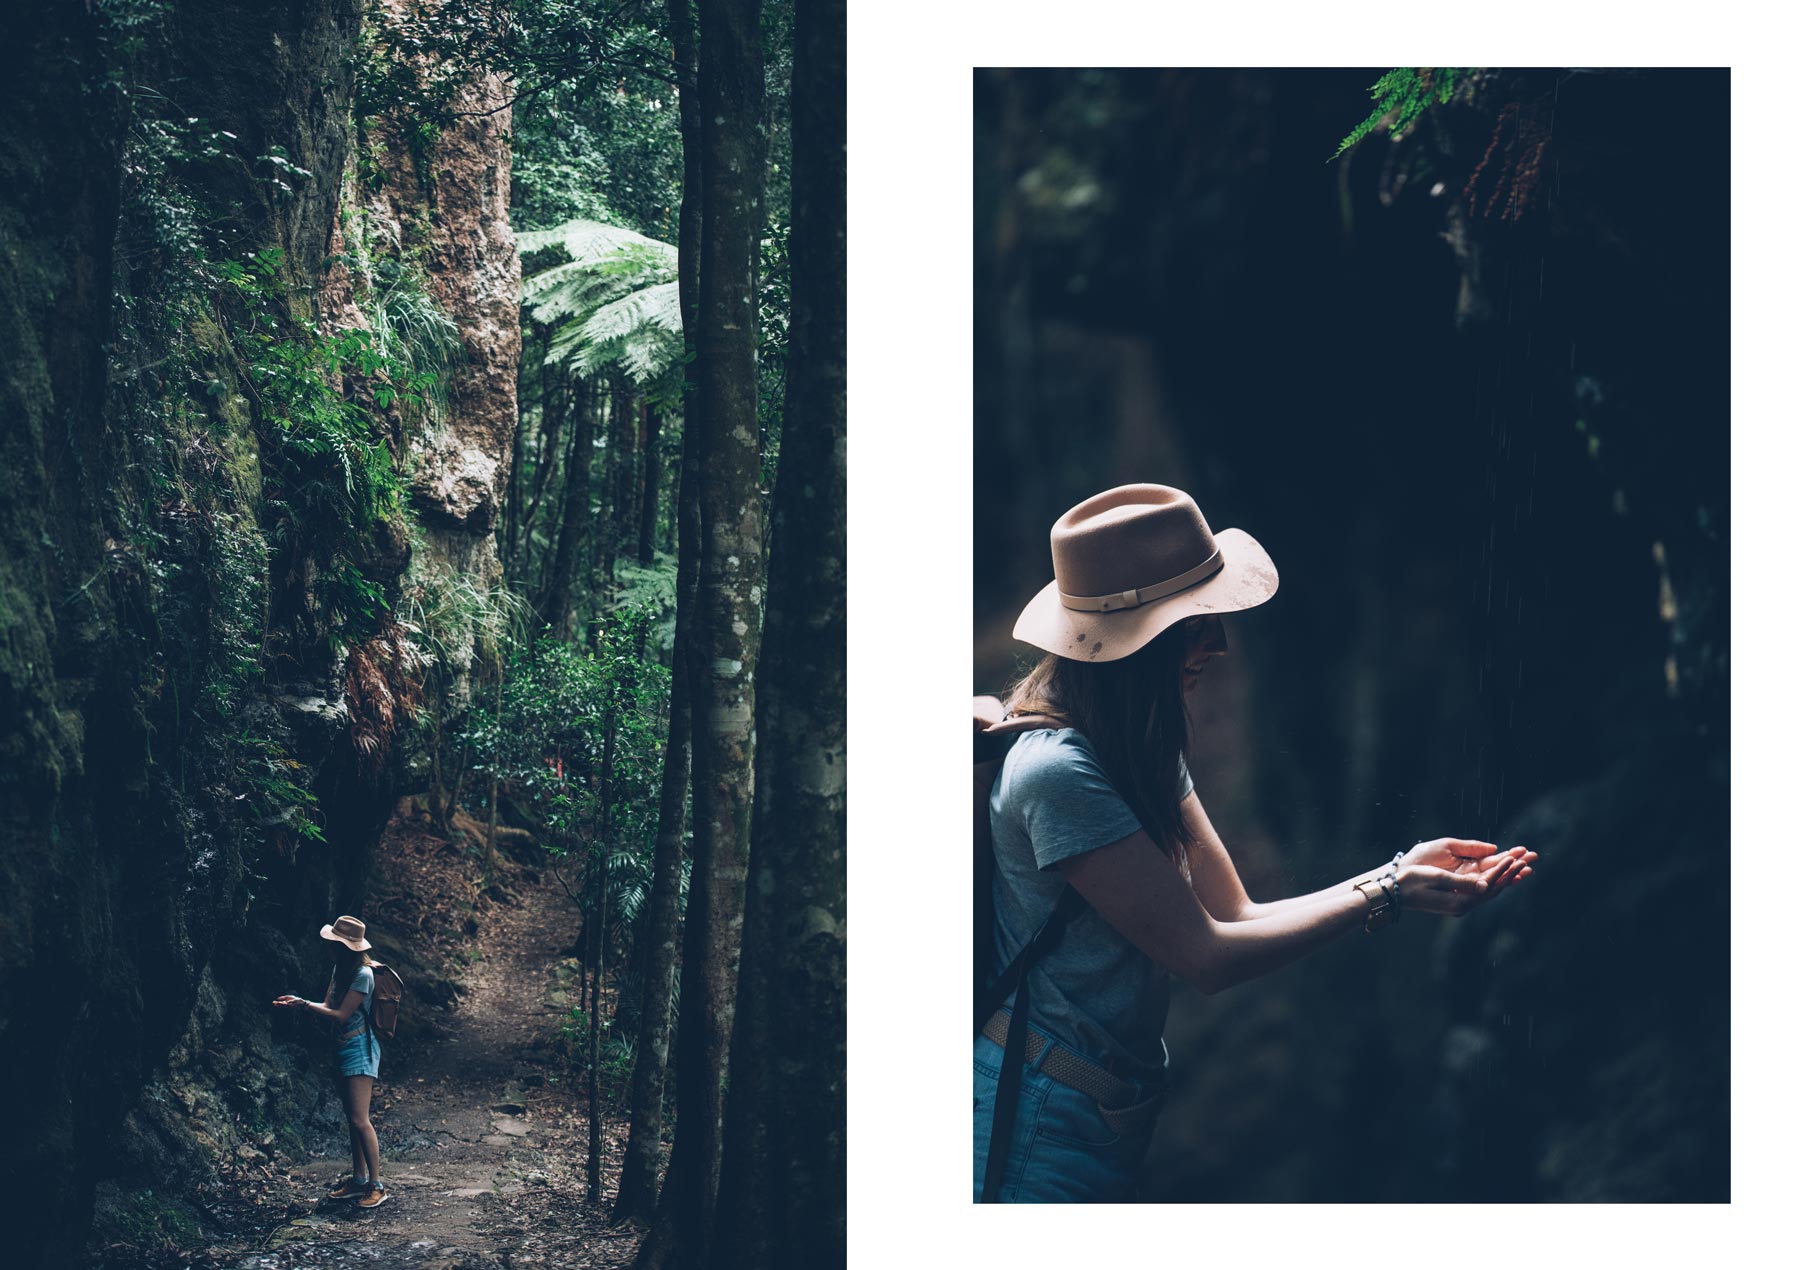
(1498, 869)
(288, 1001)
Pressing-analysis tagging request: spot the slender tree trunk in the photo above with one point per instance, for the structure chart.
(551, 410)
(493, 826)
(600, 858)
(643, 1152)
(557, 609)
(584, 948)
(621, 519)
(672, 526)
(782, 1190)
(652, 493)
(729, 619)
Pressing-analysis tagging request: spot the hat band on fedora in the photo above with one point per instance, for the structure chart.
(1137, 596)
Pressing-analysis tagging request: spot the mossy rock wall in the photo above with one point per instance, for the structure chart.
(173, 706)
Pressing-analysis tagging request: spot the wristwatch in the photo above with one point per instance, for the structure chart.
(1384, 905)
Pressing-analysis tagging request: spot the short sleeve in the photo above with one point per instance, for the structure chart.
(1067, 805)
(364, 981)
(1187, 779)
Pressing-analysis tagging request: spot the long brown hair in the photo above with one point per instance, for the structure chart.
(345, 962)
(1132, 714)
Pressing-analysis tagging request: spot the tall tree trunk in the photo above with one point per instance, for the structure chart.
(557, 608)
(599, 858)
(652, 492)
(493, 825)
(730, 619)
(782, 1190)
(623, 468)
(643, 1152)
(672, 527)
(553, 403)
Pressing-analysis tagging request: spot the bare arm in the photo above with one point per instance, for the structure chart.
(345, 1008)
(1141, 895)
(1216, 882)
(1221, 892)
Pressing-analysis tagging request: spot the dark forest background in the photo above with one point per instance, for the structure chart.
(1468, 383)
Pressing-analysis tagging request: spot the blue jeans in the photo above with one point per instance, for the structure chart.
(1063, 1151)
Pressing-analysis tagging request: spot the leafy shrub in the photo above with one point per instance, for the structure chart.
(549, 743)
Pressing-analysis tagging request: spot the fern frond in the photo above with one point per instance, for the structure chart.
(613, 302)
(1402, 96)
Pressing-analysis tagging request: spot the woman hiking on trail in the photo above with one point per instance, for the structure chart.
(347, 1001)
(1105, 865)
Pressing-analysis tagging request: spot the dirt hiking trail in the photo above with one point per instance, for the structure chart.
(483, 1131)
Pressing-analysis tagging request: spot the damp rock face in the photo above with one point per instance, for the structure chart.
(447, 201)
(443, 202)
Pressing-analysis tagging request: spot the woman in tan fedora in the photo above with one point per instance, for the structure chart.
(346, 1004)
(1108, 876)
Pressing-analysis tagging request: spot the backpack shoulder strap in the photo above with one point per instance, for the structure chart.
(996, 732)
(1048, 936)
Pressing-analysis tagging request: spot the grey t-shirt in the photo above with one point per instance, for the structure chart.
(364, 982)
(1096, 992)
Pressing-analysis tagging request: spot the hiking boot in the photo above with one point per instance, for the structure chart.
(374, 1197)
(349, 1188)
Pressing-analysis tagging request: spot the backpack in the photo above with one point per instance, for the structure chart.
(384, 1003)
(994, 737)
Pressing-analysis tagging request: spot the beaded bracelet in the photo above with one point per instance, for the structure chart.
(1390, 883)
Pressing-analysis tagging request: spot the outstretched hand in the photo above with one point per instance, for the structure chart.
(1452, 875)
(288, 1001)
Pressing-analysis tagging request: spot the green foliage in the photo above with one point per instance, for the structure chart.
(608, 152)
(329, 464)
(774, 303)
(1402, 96)
(610, 300)
(410, 330)
(548, 746)
(651, 587)
(269, 778)
(445, 613)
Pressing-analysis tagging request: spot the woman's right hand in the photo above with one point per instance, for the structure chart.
(288, 1001)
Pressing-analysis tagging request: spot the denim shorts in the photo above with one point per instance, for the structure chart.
(1063, 1150)
(359, 1053)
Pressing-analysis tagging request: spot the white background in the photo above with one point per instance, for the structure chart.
(910, 159)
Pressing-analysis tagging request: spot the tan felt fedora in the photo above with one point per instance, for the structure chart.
(347, 930)
(1130, 563)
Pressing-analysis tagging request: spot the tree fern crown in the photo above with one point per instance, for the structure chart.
(609, 297)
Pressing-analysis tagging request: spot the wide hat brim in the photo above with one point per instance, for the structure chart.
(360, 945)
(1247, 579)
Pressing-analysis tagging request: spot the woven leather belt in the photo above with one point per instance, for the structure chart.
(1113, 1095)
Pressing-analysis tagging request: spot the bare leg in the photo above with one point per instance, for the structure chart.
(358, 1164)
(360, 1127)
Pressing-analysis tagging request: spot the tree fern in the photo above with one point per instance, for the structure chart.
(1402, 96)
(640, 333)
(612, 302)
